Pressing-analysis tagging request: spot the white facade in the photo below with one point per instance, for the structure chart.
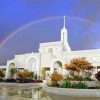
(52, 55)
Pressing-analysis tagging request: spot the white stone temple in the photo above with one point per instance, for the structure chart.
(51, 55)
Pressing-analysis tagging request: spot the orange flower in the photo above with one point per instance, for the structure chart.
(82, 63)
(55, 76)
(72, 67)
(78, 64)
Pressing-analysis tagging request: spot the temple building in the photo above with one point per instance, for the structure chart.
(51, 56)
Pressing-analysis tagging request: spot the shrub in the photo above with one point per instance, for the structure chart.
(2, 73)
(97, 75)
(78, 78)
(74, 85)
(66, 84)
(43, 71)
(12, 80)
(25, 74)
(12, 71)
(82, 85)
(55, 76)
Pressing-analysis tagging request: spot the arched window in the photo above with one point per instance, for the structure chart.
(50, 51)
(32, 64)
(57, 65)
(11, 65)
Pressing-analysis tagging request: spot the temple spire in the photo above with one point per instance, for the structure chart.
(64, 21)
(64, 36)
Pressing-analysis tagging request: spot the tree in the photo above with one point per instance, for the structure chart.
(79, 64)
(43, 71)
(2, 73)
(12, 71)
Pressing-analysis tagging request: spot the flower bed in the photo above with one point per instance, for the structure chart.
(81, 80)
(21, 80)
(75, 84)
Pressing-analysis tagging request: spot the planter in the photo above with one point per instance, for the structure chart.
(90, 83)
(72, 94)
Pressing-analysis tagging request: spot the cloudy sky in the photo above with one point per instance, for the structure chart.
(26, 23)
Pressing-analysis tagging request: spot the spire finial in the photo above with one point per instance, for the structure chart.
(64, 21)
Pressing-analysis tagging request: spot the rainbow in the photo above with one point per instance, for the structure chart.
(34, 22)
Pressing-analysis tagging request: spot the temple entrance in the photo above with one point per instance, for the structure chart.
(32, 65)
(57, 66)
(11, 65)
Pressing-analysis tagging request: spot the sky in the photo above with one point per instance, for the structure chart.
(26, 23)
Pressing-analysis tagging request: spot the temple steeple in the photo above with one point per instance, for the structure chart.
(64, 36)
(64, 22)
